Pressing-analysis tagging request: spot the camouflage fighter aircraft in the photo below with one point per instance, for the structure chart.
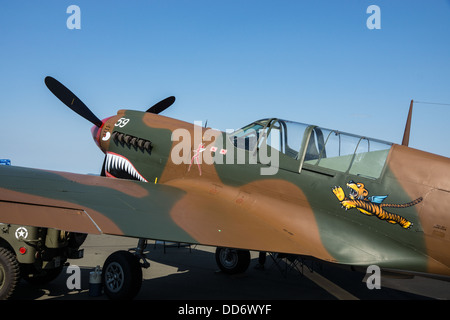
(274, 185)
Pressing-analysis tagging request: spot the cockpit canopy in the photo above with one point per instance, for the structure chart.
(314, 146)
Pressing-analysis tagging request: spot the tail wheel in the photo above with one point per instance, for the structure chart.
(9, 273)
(232, 261)
(122, 275)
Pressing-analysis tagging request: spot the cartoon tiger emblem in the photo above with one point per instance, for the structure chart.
(358, 198)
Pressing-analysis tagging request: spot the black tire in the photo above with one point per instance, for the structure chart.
(122, 276)
(9, 273)
(232, 261)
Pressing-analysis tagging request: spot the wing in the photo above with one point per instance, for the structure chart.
(185, 211)
(193, 211)
(88, 204)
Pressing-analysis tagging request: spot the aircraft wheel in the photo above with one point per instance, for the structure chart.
(232, 261)
(122, 276)
(9, 273)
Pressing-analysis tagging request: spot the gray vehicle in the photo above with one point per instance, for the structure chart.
(36, 255)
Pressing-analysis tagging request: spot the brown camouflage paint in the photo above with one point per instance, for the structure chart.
(427, 175)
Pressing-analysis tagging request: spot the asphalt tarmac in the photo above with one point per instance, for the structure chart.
(186, 273)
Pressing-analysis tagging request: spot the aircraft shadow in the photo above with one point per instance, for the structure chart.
(188, 273)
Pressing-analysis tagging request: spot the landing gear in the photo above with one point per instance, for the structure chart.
(232, 261)
(122, 275)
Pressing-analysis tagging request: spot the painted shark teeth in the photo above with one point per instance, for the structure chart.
(116, 165)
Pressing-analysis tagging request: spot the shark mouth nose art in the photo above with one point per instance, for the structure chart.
(117, 166)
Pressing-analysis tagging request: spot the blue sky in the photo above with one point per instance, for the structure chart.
(228, 62)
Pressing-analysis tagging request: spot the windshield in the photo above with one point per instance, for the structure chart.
(248, 136)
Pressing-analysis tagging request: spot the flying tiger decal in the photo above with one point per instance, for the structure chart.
(359, 198)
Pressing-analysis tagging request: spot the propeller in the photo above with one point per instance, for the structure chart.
(162, 105)
(71, 100)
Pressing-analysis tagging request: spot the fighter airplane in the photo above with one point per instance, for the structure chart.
(275, 186)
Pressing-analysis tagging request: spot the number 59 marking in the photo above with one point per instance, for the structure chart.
(122, 122)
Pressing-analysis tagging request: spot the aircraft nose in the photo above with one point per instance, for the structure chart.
(95, 131)
(101, 134)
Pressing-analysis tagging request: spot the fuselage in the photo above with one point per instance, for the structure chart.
(398, 220)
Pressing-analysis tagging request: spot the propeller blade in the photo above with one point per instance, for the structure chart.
(162, 105)
(103, 171)
(71, 100)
